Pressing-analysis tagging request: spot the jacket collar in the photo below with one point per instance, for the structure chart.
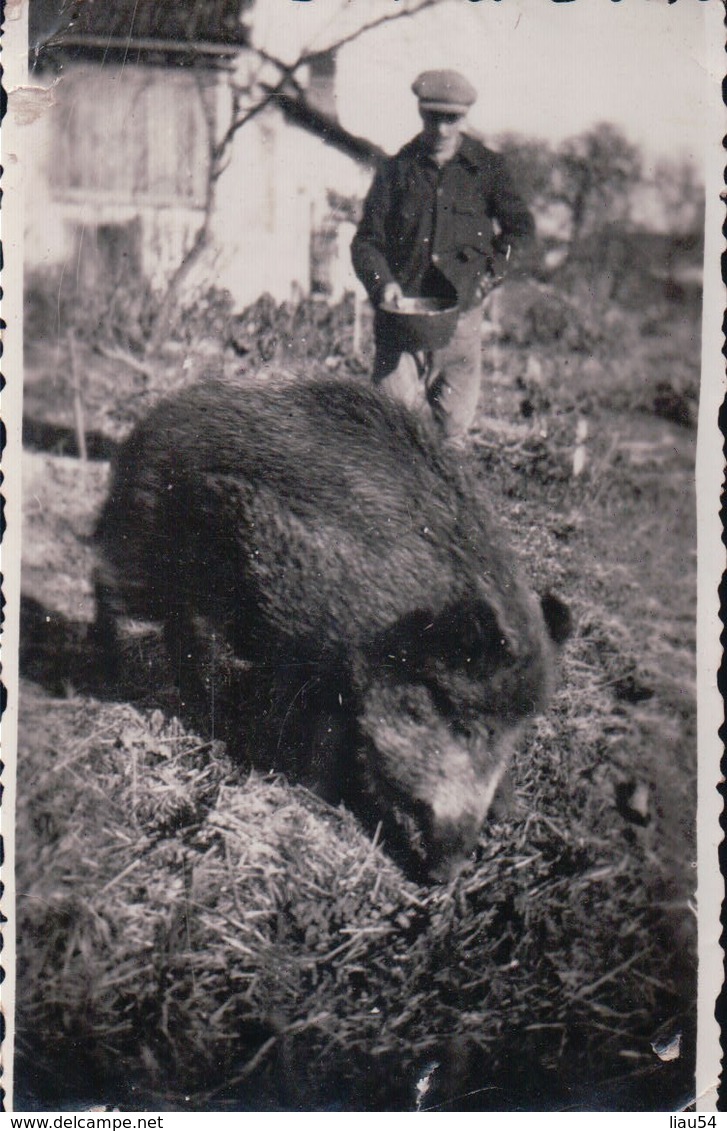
(470, 152)
(473, 152)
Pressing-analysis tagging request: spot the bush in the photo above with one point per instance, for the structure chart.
(118, 311)
(310, 331)
(532, 314)
(207, 315)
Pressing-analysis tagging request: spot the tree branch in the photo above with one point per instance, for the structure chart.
(238, 122)
(288, 70)
(387, 18)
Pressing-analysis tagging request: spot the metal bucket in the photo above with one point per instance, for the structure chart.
(418, 323)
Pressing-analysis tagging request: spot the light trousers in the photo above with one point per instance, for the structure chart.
(445, 381)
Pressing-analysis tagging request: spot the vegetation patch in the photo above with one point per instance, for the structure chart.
(194, 935)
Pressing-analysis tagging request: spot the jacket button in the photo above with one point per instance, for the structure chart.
(435, 258)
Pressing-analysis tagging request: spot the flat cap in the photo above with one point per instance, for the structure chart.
(446, 91)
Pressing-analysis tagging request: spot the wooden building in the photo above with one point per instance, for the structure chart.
(120, 163)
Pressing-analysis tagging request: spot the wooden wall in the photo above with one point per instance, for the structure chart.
(131, 135)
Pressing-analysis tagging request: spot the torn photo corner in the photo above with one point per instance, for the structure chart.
(361, 479)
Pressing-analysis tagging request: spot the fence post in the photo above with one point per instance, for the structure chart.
(356, 322)
(77, 399)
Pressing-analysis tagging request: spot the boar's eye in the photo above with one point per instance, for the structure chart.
(468, 632)
(463, 633)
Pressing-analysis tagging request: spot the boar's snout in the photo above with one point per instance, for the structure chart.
(432, 784)
(431, 849)
(450, 844)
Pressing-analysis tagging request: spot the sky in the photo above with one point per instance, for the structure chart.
(541, 68)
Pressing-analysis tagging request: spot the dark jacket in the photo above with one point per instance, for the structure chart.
(417, 215)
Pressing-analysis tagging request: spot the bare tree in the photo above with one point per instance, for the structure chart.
(531, 162)
(680, 192)
(594, 177)
(264, 84)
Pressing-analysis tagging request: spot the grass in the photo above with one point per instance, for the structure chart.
(193, 935)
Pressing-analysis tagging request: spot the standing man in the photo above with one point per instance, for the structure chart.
(427, 228)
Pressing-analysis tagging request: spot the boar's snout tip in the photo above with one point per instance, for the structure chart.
(451, 848)
(447, 870)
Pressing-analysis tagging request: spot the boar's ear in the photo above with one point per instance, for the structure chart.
(558, 619)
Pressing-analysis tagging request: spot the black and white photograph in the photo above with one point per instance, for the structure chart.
(367, 751)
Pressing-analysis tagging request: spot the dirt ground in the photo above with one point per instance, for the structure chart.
(597, 493)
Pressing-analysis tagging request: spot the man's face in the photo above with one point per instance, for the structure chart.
(441, 133)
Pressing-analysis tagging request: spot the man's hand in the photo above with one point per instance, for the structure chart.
(392, 295)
